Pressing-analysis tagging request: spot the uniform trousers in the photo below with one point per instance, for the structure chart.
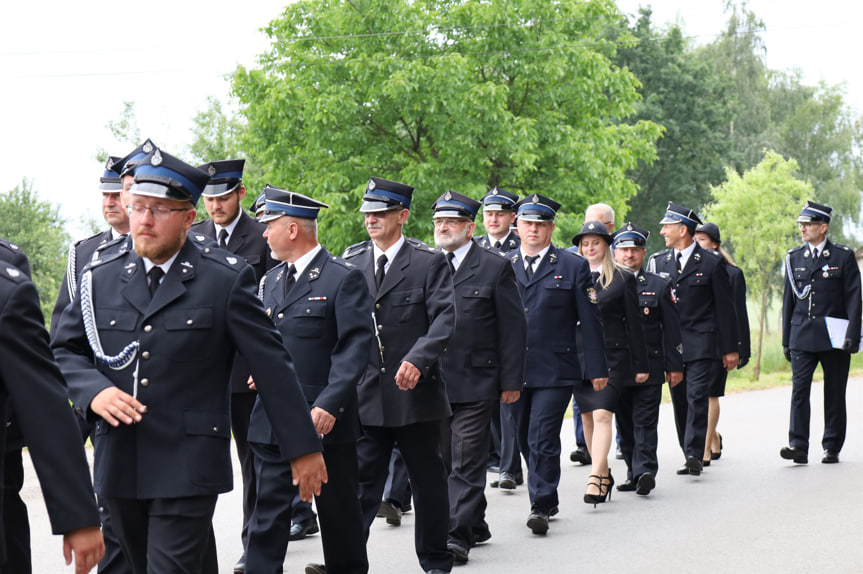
(637, 417)
(16, 522)
(419, 444)
(835, 363)
(241, 412)
(539, 417)
(690, 402)
(494, 443)
(341, 523)
(164, 535)
(464, 444)
(398, 487)
(510, 453)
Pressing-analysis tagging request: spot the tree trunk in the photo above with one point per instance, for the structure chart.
(762, 320)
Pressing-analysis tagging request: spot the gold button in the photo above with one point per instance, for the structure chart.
(145, 382)
(145, 355)
(148, 328)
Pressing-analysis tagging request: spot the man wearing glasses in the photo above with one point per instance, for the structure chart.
(820, 324)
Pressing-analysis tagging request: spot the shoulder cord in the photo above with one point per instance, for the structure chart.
(799, 294)
(71, 277)
(117, 362)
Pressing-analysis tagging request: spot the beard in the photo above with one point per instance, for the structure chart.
(160, 248)
(452, 240)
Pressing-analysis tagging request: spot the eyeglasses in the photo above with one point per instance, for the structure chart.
(158, 212)
(440, 222)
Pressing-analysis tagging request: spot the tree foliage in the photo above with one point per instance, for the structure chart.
(124, 129)
(444, 94)
(36, 226)
(757, 214)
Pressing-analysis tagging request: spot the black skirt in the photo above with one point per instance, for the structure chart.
(589, 400)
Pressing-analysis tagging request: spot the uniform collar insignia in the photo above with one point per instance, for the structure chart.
(132, 264)
(512, 243)
(231, 260)
(515, 258)
(668, 257)
(552, 257)
(826, 253)
(314, 273)
(697, 256)
(186, 264)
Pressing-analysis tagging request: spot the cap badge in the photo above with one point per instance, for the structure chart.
(110, 163)
(148, 147)
(629, 227)
(535, 198)
(156, 160)
(211, 170)
(448, 196)
(495, 191)
(12, 272)
(231, 260)
(591, 226)
(371, 185)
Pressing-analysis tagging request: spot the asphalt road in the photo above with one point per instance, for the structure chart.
(748, 512)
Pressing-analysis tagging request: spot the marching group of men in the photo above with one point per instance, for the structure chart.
(172, 336)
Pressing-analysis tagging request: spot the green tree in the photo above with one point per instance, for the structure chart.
(38, 228)
(124, 129)
(757, 214)
(444, 94)
(682, 93)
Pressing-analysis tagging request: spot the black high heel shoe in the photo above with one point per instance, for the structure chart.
(610, 480)
(716, 455)
(594, 499)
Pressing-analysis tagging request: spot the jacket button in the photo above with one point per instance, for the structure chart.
(525, 309)
(341, 410)
(281, 315)
(148, 328)
(145, 382)
(383, 369)
(145, 355)
(113, 322)
(189, 321)
(476, 292)
(308, 311)
(215, 429)
(380, 327)
(489, 362)
(377, 305)
(79, 410)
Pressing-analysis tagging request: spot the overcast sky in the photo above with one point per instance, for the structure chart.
(67, 67)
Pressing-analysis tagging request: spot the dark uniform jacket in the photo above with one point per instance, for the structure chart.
(833, 280)
(204, 312)
(11, 253)
(31, 385)
(625, 346)
(738, 294)
(486, 353)
(326, 323)
(80, 254)
(248, 242)
(661, 325)
(509, 243)
(708, 323)
(559, 295)
(415, 317)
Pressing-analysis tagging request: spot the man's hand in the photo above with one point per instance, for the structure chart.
(850, 346)
(509, 396)
(87, 545)
(600, 383)
(641, 377)
(674, 378)
(408, 376)
(787, 352)
(251, 383)
(323, 420)
(115, 406)
(730, 360)
(309, 471)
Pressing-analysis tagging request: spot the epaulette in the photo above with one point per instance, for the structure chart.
(840, 246)
(500, 254)
(88, 238)
(198, 238)
(12, 273)
(417, 244)
(9, 245)
(795, 248)
(108, 257)
(226, 258)
(356, 249)
(109, 243)
(341, 262)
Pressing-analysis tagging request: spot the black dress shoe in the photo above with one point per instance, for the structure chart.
(459, 552)
(302, 529)
(537, 521)
(691, 466)
(830, 456)
(495, 483)
(480, 534)
(391, 512)
(506, 482)
(799, 456)
(240, 566)
(627, 486)
(646, 483)
(316, 569)
(519, 478)
(581, 456)
(493, 468)
(553, 511)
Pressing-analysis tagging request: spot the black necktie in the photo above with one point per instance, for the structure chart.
(529, 269)
(449, 257)
(814, 254)
(223, 238)
(155, 275)
(289, 279)
(679, 268)
(497, 244)
(594, 275)
(379, 275)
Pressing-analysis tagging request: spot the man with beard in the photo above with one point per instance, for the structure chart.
(238, 233)
(146, 347)
(483, 363)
